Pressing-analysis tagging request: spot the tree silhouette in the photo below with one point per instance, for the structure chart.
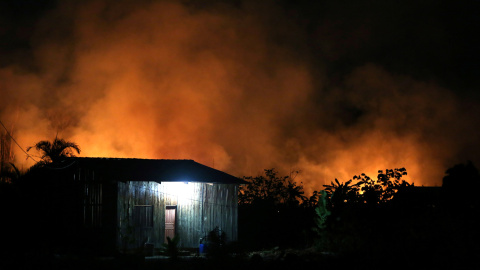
(341, 194)
(272, 210)
(461, 208)
(354, 215)
(271, 189)
(53, 152)
(366, 190)
(460, 186)
(461, 176)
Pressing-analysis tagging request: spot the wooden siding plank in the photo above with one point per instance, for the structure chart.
(200, 208)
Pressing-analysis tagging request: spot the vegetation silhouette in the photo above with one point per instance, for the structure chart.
(460, 205)
(388, 219)
(10, 173)
(461, 185)
(171, 247)
(351, 216)
(54, 223)
(54, 151)
(367, 191)
(273, 211)
(216, 244)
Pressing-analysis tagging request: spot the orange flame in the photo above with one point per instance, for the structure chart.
(161, 81)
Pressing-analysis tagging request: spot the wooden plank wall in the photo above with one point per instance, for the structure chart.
(94, 212)
(220, 209)
(91, 195)
(200, 208)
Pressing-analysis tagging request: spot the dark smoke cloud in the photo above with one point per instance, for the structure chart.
(330, 89)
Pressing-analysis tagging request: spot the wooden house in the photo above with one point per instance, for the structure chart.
(122, 204)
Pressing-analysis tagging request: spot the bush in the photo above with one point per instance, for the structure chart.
(171, 247)
(216, 241)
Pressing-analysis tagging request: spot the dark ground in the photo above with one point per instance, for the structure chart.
(267, 259)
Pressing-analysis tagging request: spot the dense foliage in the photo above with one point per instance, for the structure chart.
(367, 191)
(271, 189)
(273, 211)
(385, 218)
(351, 215)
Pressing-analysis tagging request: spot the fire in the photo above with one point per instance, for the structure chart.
(216, 86)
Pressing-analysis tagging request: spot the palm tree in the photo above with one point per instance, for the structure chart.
(53, 152)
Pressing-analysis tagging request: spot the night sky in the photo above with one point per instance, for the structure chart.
(330, 88)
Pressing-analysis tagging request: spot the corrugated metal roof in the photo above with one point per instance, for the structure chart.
(158, 170)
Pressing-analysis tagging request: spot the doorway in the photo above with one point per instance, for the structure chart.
(170, 217)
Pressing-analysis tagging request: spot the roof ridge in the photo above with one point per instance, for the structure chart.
(121, 158)
(163, 170)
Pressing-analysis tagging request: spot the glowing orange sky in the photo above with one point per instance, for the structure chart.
(161, 81)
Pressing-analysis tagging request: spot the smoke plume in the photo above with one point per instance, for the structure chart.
(240, 87)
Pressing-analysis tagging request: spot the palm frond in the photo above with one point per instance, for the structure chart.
(56, 150)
